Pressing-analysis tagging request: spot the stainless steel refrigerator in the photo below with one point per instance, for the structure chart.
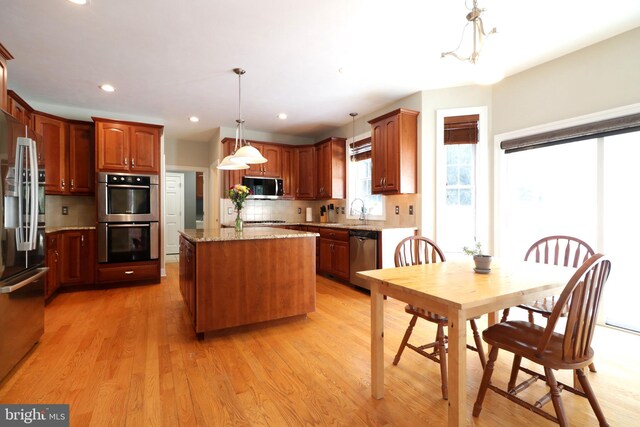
(22, 238)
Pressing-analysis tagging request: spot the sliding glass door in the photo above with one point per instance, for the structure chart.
(583, 189)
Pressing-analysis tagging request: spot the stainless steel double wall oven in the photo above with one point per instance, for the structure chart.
(127, 217)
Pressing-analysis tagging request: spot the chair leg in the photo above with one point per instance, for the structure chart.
(405, 339)
(531, 316)
(505, 314)
(486, 380)
(442, 355)
(555, 397)
(478, 341)
(592, 367)
(515, 368)
(586, 386)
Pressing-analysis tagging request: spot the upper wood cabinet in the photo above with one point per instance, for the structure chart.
(19, 109)
(305, 172)
(330, 168)
(288, 172)
(273, 167)
(394, 146)
(54, 133)
(68, 153)
(4, 57)
(127, 147)
(81, 158)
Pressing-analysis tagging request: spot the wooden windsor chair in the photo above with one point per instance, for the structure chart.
(421, 250)
(571, 350)
(557, 250)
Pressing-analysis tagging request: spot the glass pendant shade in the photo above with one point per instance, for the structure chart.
(228, 163)
(248, 155)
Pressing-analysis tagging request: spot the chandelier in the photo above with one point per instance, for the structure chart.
(243, 153)
(474, 19)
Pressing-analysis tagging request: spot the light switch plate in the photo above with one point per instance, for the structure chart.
(410, 209)
(229, 211)
(299, 211)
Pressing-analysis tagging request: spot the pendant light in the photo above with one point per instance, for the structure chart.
(353, 136)
(244, 154)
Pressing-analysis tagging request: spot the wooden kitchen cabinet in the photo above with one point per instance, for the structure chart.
(68, 154)
(4, 57)
(127, 146)
(330, 168)
(334, 252)
(188, 276)
(77, 257)
(305, 172)
(272, 168)
(19, 109)
(394, 145)
(52, 260)
(288, 172)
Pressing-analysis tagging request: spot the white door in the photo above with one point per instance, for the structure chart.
(173, 217)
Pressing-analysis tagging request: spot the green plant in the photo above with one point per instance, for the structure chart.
(477, 251)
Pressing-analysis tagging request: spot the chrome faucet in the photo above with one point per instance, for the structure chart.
(363, 210)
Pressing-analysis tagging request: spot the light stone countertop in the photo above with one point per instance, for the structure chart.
(251, 233)
(346, 226)
(68, 228)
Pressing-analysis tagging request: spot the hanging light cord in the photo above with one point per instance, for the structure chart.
(353, 132)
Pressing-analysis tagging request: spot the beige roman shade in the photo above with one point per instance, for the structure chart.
(461, 129)
(361, 150)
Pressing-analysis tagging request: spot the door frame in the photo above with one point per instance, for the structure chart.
(182, 179)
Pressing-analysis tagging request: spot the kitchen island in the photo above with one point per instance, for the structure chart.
(230, 279)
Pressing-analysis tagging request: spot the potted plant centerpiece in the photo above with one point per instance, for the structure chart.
(482, 261)
(238, 194)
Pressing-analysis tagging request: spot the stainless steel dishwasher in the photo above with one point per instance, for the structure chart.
(363, 254)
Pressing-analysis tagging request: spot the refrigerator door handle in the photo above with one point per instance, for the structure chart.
(26, 235)
(8, 289)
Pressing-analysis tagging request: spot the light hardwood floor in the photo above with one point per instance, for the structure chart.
(128, 356)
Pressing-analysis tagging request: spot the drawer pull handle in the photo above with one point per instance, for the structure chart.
(128, 272)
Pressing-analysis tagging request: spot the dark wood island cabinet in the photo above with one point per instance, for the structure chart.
(259, 275)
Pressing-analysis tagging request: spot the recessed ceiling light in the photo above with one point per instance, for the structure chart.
(107, 88)
(194, 119)
(282, 116)
(80, 2)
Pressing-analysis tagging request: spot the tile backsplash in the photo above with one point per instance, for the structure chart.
(287, 210)
(81, 211)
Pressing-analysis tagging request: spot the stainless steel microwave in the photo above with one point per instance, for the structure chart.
(263, 188)
(125, 197)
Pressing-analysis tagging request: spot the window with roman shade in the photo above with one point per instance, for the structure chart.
(361, 150)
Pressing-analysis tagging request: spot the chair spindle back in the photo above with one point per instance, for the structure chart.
(583, 294)
(414, 250)
(549, 250)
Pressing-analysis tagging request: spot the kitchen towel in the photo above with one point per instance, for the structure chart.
(309, 215)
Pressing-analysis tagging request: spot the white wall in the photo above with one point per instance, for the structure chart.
(597, 78)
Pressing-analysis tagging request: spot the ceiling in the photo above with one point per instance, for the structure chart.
(317, 61)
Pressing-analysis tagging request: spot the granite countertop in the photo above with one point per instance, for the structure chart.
(48, 229)
(358, 226)
(251, 233)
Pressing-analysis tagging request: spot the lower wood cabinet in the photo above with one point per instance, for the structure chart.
(334, 252)
(142, 271)
(52, 260)
(77, 257)
(188, 276)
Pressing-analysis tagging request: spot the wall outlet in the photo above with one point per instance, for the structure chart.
(410, 209)
(299, 211)
(342, 210)
(397, 210)
(229, 211)
(65, 210)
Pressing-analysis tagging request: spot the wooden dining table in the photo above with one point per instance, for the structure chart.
(453, 289)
